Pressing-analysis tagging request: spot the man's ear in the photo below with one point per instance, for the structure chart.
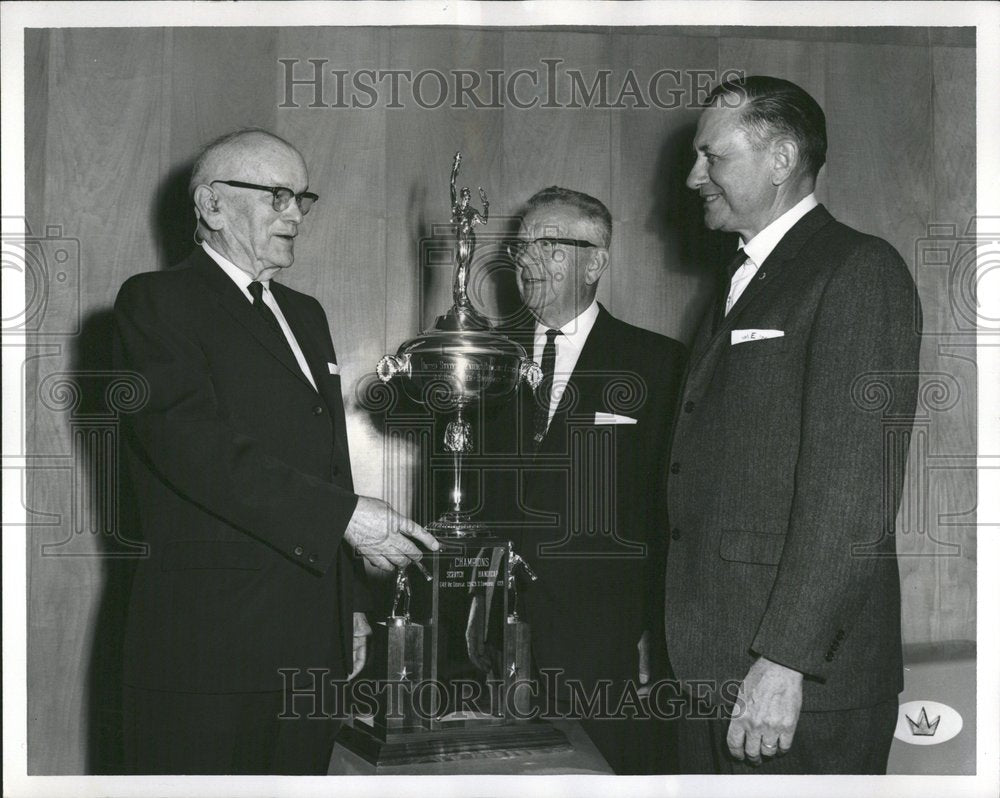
(597, 266)
(206, 204)
(784, 160)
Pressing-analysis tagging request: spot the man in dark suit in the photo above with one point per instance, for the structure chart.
(243, 479)
(586, 454)
(782, 590)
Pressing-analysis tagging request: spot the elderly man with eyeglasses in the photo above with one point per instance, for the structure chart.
(240, 466)
(589, 446)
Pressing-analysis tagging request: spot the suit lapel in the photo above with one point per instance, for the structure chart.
(580, 394)
(785, 252)
(238, 306)
(593, 358)
(304, 334)
(311, 341)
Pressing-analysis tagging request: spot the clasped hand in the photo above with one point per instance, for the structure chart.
(384, 537)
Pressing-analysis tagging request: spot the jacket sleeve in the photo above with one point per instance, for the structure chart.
(861, 369)
(184, 438)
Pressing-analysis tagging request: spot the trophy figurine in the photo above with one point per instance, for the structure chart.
(463, 316)
(437, 629)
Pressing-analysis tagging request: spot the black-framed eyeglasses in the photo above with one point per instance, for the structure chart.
(281, 194)
(546, 244)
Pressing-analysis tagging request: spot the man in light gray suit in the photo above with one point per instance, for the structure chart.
(782, 589)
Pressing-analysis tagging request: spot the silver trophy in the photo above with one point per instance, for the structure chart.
(461, 626)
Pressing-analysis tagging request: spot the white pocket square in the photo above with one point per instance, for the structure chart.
(334, 368)
(612, 418)
(742, 336)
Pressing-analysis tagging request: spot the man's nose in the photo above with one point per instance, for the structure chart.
(293, 213)
(698, 176)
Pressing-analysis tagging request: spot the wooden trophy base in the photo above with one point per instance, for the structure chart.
(495, 742)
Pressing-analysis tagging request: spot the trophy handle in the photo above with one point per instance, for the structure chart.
(391, 365)
(530, 372)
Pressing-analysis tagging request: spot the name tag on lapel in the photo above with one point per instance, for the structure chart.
(333, 367)
(743, 336)
(613, 418)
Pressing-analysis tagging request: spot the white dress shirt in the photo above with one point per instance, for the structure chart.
(568, 348)
(762, 244)
(243, 280)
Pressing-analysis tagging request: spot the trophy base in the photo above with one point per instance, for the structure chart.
(495, 742)
(457, 525)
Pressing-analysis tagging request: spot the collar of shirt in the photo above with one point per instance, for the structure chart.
(568, 348)
(762, 244)
(574, 333)
(236, 274)
(243, 280)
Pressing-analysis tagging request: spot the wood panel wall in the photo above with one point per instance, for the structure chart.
(114, 118)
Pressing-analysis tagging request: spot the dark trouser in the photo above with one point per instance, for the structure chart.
(230, 733)
(849, 741)
(635, 747)
(637, 743)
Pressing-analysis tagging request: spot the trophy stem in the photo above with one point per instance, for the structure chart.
(457, 439)
(456, 493)
(455, 522)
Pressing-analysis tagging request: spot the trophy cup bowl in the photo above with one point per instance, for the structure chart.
(449, 369)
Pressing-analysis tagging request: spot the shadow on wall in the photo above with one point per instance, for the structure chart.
(173, 225)
(689, 251)
(173, 218)
(92, 354)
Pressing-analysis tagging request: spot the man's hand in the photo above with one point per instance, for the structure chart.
(383, 537)
(361, 632)
(645, 666)
(771, 697)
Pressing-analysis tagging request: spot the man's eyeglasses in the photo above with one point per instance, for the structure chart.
(545, 244)
(282, 195)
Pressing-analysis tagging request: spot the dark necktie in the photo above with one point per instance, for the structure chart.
(543, 395)
(726, 279)
(256, 290)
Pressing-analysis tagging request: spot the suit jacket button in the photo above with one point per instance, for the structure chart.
(298, 551)
(829, 657)
(317, 410)
(688, 407)
(675, 468)
(312, 558)
(675, 534)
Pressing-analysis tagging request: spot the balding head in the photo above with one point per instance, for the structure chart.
(233, 153)
(248, 224)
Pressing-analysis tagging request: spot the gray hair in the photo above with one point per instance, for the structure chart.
(590, 208)
(774, 107)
